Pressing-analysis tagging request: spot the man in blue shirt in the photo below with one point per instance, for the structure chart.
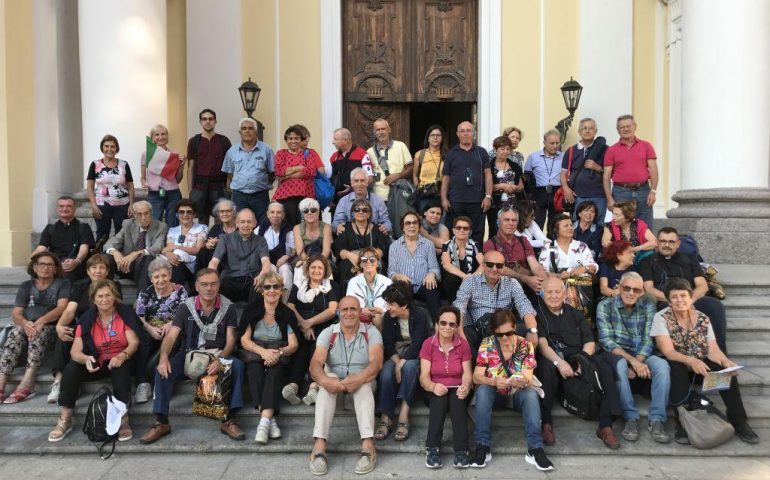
(250, 166)
(545, 164)
(582, 168)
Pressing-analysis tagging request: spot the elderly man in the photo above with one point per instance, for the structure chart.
(564, 333)
(205, 154)
(360, 181)
(133, 248)
(582, 168)
(208, 321)
(624, 324)
(481, 294)
(545, 164)
(347, 359)
(246, 255)
(68, 239)
(344, 160)
(631, 165)
(466, 182)
(280, 241)
(250, 168)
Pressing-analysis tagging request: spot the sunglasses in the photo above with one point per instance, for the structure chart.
(181, 238)
(310, 210)
(628, 289)
(505, 334)
(444, 323)
(411, 223)
(45, 265)
(368, 259)
(271, 286)
(185, 212)
(496, 265)
(462, 228)
(360, 210)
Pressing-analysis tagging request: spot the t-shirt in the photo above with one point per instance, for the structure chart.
(208, 156)
(37, 303)
(109, 341)
(611, 274)
(659, 269)
(522, 358)
(348, 356)
(566, 333)
(660, 328)
(110, 184)
(629, 162)
(515, 251)
(446, 368)
(296, 186)
(269, 333)
(64, 240)
(242, 257)
(465, 169)
(184, 321)
(511, 175)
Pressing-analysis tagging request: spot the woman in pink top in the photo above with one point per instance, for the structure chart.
(295, 168)
(445, 373)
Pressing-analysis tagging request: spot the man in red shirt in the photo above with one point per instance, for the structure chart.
(631, 165)
(206, 152)
(347, 158)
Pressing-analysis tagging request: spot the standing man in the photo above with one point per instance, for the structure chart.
(631, 165)
(545, 165)
(391, 161)
(466, 183)
(347, 158)
(250, 168)
(206, 154)
(68, 239)
(582, 168)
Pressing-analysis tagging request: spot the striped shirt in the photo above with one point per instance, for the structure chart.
(416, 266)
(476, 297)
(629, 330)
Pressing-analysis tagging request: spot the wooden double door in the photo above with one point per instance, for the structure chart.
(412, 62)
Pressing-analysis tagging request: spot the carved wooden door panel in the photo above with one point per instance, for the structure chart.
(359, 117)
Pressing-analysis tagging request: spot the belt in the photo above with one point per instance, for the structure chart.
(632, 186)
(554, 187)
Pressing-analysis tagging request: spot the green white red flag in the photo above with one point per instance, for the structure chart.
(162, 163)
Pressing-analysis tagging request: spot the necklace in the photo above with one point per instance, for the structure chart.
(688, 319)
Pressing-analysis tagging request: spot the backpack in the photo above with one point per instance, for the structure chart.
(95, 424)
(324, 190)
(582, 394)
(689, 247)
(335, 334)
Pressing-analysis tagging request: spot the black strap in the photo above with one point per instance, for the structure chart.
(112, 449)
(503, 361)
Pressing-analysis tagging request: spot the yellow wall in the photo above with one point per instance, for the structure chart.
(176, 77)
(16, 131)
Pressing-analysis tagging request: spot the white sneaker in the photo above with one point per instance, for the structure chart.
(291, 394)
(275, 432)
(143, 393)
(263, 432)
(53, 397)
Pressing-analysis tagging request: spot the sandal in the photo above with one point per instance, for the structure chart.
(402, 432)
(62, 428)
(19, 395)
(383, 430)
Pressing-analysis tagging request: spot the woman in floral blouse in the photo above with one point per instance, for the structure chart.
(110, 188)
(566, 256)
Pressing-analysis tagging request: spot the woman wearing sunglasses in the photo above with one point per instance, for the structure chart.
(368, 287)
(359, 233)
(445, 373)
(183, 243)
(312, 236)
(460, 257)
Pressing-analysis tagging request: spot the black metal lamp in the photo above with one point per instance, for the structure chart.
(571, 91)
(249, 92)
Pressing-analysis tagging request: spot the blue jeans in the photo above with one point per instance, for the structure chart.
(164, 208)
(525, 401)
(601, 207)
(391, 392)
(661, 384)
(622, 194)
(257, 202)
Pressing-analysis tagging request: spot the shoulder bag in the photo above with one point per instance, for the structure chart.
(705, 427)
(431, 189)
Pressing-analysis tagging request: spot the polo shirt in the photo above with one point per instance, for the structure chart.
(629, 162)
(567, 332)
(64, 240)
(514, 251)
(249, 168)
(446, 368)
(659, 269)
(547, 169)
(459, 164)
(243, 257)
(348, 356)
(343, 164)
(396, 155)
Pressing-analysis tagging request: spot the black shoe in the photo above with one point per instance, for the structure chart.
(745, 433)
(536, 457)
(680, 435)
(481, 456)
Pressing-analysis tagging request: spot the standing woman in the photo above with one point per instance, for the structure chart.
(460, 257)
(110, 188)
(295, 168)
(428, 164)
(162, 193)
(507, 179)
(514, 135)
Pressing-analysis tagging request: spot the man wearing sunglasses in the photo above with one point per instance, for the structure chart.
(624, 323)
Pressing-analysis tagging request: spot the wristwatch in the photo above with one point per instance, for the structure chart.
(556, 362)
(488, 196)
(532, 330)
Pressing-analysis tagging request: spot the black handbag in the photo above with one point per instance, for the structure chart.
(247, 356)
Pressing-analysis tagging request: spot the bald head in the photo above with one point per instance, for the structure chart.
(465, 133)
(246, 222)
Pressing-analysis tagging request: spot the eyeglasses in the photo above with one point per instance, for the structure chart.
(462, 228)
(411, 223)
(667, 242)
(627, 289)
(310, 210)
(45, 265)
(444, 323)
(371, 259)
(434, 135)
(505, 334)
(361, 210)
(209, 285)
(185, 212)
(496, 265)
(271, 286)
(181, 238)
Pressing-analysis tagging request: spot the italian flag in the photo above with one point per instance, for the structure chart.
(161, 163)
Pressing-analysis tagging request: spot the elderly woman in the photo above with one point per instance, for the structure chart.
(184, 242)
(110, 188)
(684, 335)
(625, 226)
(358, 234)
(162, 192)
(404, 329)
(280, 240)
(514, 135)
(586, 227)
(445, 373)
(105, 340)
(432, 227)
(224, 213)
(460, 257)
(412, 259)
(528, 227)
(156, 307)
(267, 342)
(295, 168)
(618, 258)
(368, 287)
(39, 304)
(314, 302)
(97, 268)
(566, 256)
(428, 164)
(312, 236)
(507, 181)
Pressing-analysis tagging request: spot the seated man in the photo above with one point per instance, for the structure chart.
(352, 353)
(359, 181)
(481, 294)
(68, 239)
(624, 323)
(246, 258)
(667, 263)
(203, 322)
(133, 248)
(564, 332)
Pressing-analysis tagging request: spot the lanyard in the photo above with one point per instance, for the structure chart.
(352, 350)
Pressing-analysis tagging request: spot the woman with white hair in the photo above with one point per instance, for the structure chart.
(312, 236)
(162, 192)
(224, 213)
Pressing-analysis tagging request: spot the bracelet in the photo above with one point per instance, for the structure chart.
(652, 191)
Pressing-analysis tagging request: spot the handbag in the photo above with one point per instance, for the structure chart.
(212, 394)
(196, 362)
(247, 356)
(431, 189)
(705, 427)
(560, 203)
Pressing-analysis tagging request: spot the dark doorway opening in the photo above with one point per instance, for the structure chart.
(446, 114)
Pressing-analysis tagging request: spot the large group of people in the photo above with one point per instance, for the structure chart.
(381, 306)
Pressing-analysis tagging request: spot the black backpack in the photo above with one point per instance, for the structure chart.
(582, 394)
(95, 424)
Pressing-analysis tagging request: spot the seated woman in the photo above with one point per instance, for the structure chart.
(39, 304)
(412, 259)
(404, 329)
(528, 227)
(358, 234)
(224, 213)
(280, 240)
(267, 342)
(618, 258)
(684, 335)
(312, 236)
(445, 373)
(314, 303)
(432, 226)
(460, 257)
(156, 308)
(183, 242)
(586, 230)
(368, 287)
(624, 226)
(105, 340)
(507, 181)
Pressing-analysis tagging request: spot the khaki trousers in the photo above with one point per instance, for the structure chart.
(326, 405)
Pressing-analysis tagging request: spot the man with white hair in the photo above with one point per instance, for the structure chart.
(359, 181)
(250, 167)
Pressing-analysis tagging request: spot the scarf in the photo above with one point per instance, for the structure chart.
(305, 294)
(470, 254)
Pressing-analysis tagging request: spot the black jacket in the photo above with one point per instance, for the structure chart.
(86, 322)
(255, 312)
(420, 328)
